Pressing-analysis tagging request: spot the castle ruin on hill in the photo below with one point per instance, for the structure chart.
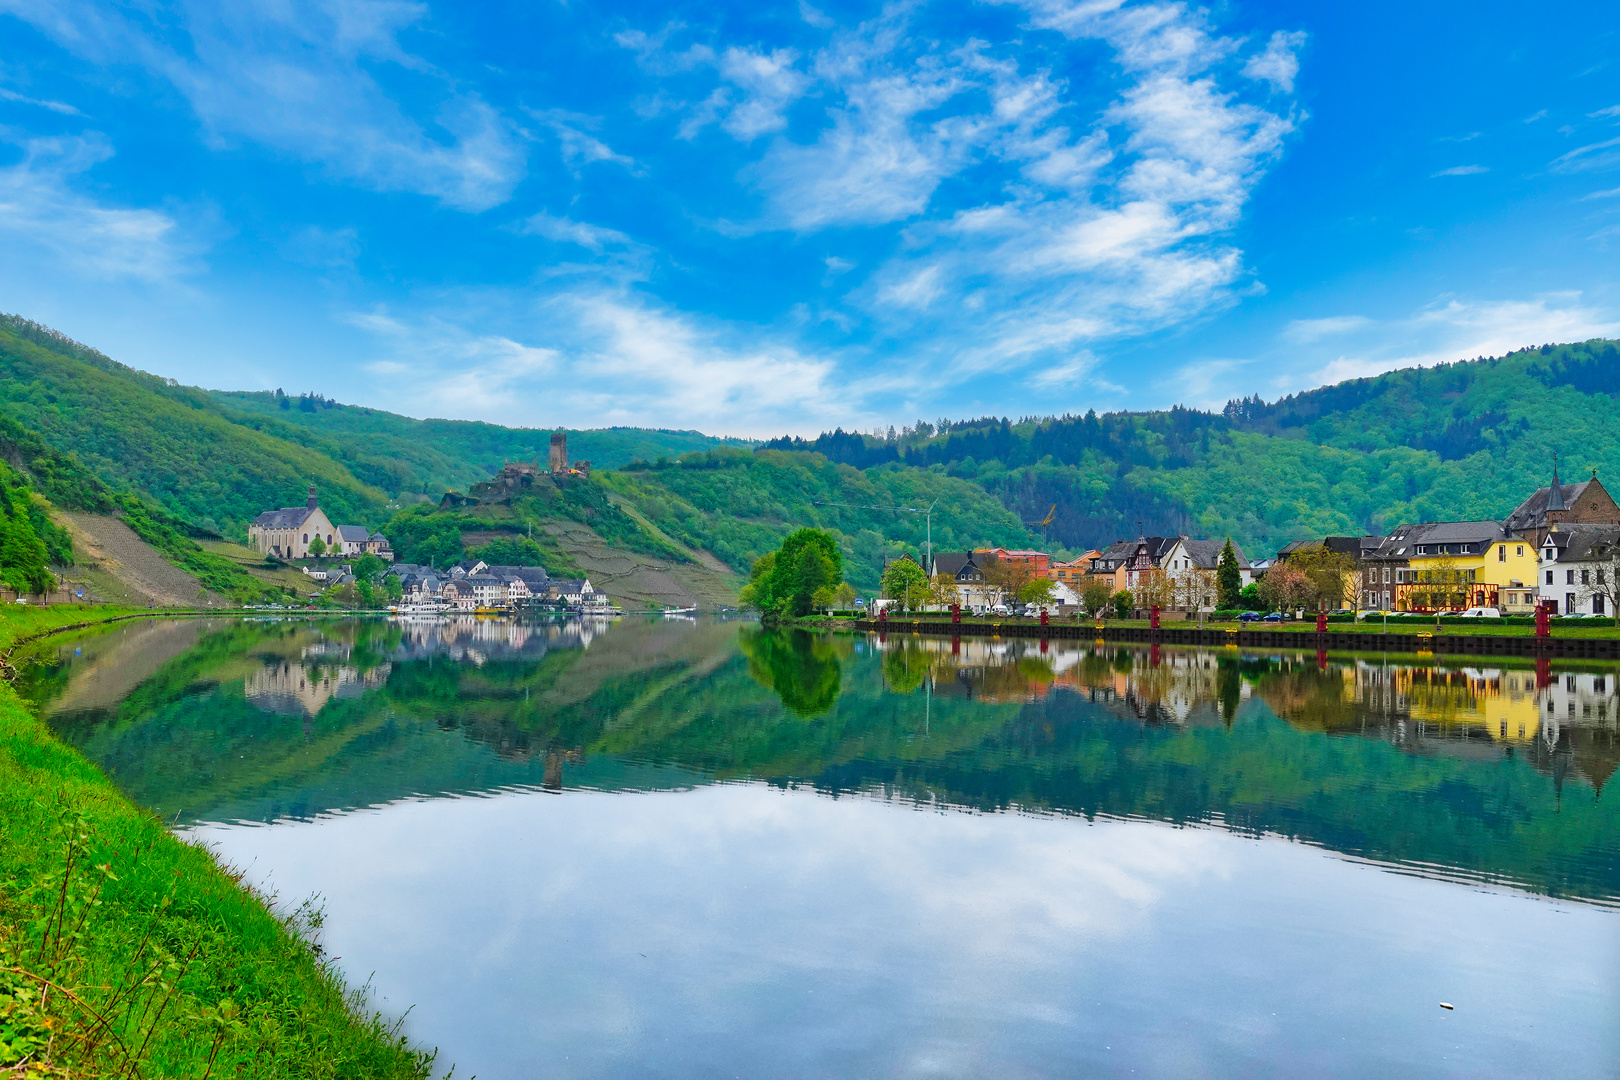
(521, 477)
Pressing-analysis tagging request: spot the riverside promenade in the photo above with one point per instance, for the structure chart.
(1405, 641)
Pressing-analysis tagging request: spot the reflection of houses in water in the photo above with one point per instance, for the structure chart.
(1558, 720)
(304, 686)
(480, 639)
(1181, 687)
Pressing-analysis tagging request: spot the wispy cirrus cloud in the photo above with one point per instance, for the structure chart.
(303, 78)
(41, 209)
(1448, 330)
(1461, 170)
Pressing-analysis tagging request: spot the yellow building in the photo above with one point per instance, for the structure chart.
(1452, 565)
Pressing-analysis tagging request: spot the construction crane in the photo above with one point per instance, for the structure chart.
(1045, 521)
(926, 511)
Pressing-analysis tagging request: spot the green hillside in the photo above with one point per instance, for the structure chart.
(432, 456)
(1462, 440)
(1457, 441)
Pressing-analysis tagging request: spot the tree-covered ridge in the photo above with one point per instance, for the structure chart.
(1457, 441)
(740, 505)
(34, 478)
(170, 443)
(432, 456)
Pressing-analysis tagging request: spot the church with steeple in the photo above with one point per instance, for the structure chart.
(1586, 503)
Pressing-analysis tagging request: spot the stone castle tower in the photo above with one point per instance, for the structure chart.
(559, 452)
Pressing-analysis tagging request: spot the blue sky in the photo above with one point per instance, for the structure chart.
(755, 219)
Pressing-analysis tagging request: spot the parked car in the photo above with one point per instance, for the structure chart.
(1248, 616)
(1578, 615)
(1275, 616)
(1481, 613)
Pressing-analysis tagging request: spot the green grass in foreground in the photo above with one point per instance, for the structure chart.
(125, 952)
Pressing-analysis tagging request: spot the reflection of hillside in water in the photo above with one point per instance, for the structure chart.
(1415, 764)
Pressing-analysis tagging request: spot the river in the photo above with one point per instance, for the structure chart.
(676, 848)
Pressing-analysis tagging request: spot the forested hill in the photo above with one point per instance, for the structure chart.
(1462, 440)
(217, 459)
(1466, 440)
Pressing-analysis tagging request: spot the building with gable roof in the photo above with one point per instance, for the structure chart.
(1583, 503)
(287, 533)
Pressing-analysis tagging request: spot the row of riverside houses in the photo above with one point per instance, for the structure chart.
(1560, 547)
(287, 534)
(473, 584)
(1185, 565)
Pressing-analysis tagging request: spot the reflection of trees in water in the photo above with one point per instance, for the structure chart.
(803, 669)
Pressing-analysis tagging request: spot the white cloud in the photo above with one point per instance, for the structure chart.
(567, 231)
(1455, 330)
(577, 146)
(609, 355)
(1540, 114)
(1306, 331)
(1460, 170)
(301, 76)
(1589, 158)
(1612, 110)
(54, 106)
(769, 84)
(39, 208)
(1279, 63)
(1609, 194)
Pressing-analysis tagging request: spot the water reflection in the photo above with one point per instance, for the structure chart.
(1490, 772)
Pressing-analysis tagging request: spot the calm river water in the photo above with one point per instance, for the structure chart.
(700, 849)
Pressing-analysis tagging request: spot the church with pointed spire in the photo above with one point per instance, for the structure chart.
(1585, 502)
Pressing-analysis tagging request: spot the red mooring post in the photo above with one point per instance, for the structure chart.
(1543, 619)
(1321, 622)
(1153, 617)
(1044, 617)
(956, 613)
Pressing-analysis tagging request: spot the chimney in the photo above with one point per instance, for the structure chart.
(559, 452)
(311, 502)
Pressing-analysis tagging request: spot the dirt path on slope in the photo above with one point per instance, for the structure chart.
(109, 542)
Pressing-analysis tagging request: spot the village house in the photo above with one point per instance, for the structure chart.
(1192, 565)
(1453, 565)
(1109, 565)
(1073, 573)
(972, 590)
(1039, 562)
(1577, 568)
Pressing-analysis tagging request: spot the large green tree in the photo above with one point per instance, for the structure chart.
(785, 582)
(904, 580)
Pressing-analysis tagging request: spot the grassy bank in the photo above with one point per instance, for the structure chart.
(125, 952)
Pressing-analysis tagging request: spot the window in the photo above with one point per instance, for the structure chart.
(1501, 553)
(1569, 577)
(1600, 575)
(1549, 577)
(1585, 576)
(1520, 552)
(1569, 603)
(306, 538)
(1386, 575)
(1597, 603)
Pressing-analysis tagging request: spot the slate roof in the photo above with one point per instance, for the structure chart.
(531, 575)
(1206, 554)
(1402, 543)
(1115, 553)
(1575, 541)
(1532, 513)
(353, 534)
(288, 517)
(953, 562)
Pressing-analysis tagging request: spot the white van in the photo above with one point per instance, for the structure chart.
(1481, 613)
